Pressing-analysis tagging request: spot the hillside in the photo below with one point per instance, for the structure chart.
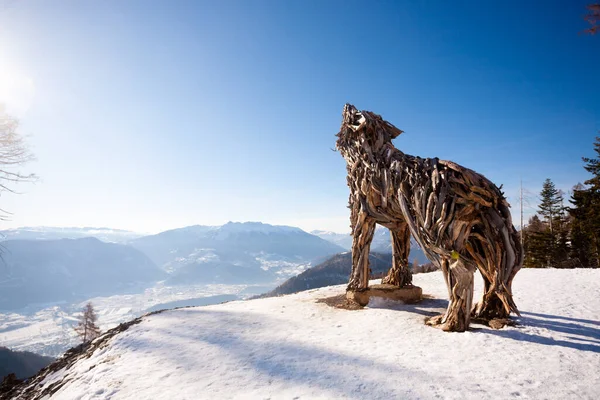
(334, 271)
(36, 271)
(296, 347)
(21, 363)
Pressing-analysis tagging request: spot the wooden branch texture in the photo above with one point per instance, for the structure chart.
(460, 219)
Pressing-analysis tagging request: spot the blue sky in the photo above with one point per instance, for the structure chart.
(155, 115)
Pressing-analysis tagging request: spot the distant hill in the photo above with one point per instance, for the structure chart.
(336, 270)
(381, 239)
(22, 363)
(381, 243)
(233, 253)
(343, 240)
(61, 270)
(54, 233)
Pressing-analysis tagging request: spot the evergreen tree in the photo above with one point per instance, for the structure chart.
(586, 214)
(87, 328)
(581, 251)
(554, 239)
(562, 236)
(592, 165)
(550, 205)
(536, 243)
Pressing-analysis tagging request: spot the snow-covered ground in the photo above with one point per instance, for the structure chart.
(48, 330)
(292, 347)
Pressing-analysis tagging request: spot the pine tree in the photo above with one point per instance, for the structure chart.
(586, 213)
(536, 243)
(554, 239)
(550, 205)
(87, 328)
(593, 166)
(562, 235)
(581, 251)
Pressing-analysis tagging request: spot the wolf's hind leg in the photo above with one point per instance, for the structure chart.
(459, 280)
(460, 287)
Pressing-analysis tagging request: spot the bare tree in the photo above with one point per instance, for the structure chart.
(593, 17)
(87, 328)
(13, 154)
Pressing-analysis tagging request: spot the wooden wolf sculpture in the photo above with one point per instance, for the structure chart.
(460, 219)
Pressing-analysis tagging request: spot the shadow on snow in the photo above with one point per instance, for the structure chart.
(280, 359)
(574, 333)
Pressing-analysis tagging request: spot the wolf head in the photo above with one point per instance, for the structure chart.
(363, 126)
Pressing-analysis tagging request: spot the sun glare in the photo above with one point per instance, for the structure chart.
(16, 89)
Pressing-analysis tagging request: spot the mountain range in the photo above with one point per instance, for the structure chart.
(45, 269)
(45, 265)
(250, 244)
(49, 233)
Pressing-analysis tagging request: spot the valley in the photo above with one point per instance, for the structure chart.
(50, 273)
(47, 329)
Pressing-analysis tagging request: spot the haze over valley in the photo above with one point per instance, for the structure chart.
(49, 273)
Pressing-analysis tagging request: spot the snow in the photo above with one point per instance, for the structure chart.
(292, 347)
(198, 255)
(283, 268)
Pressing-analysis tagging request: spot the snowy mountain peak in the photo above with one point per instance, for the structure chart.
(254, 227)
(328, 233)
(199, 230)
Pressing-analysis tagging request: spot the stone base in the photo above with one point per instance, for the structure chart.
(406, 294)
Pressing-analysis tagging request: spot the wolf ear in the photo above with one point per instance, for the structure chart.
(395, 132)
(392, 130)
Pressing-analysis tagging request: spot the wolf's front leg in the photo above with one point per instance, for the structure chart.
(399, 274)
(361, 243)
